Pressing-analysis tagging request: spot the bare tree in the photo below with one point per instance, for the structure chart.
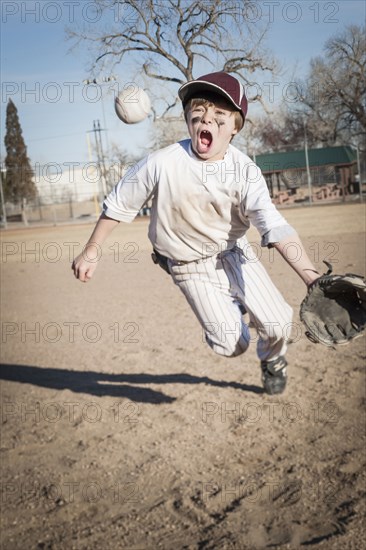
(335, 92)
(118, 161)
(283, 131)
(169, 41)
(168, 130)
(331, 101)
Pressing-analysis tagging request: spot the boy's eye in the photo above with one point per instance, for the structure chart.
(221, 114)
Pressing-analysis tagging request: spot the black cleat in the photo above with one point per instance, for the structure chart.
(274, 375)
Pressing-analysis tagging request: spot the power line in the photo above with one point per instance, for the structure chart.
(56, 137)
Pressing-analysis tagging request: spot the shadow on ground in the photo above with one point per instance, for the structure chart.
(114, 385)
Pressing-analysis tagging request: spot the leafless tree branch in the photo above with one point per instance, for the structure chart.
(173, 36)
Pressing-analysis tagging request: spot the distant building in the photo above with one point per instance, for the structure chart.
(333, 174)
(74, 181)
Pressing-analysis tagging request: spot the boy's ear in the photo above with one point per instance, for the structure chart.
(235, 131)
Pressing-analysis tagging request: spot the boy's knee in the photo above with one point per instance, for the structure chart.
(229, 348)
(275, 332)
(228, 342)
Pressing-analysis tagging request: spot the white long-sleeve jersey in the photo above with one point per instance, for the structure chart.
(199, 208)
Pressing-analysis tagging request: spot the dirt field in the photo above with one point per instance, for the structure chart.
(121, 429)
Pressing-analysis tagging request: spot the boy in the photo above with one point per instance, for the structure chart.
(205, 193)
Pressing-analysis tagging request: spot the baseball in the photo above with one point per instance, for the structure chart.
(132, 104)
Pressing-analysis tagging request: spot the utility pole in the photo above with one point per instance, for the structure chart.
(100, 82)
(359, 172)
(3, 171)
(97, 130)
(100, 155)
(307, 163)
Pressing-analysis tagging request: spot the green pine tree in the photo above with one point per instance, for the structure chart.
(19, 179)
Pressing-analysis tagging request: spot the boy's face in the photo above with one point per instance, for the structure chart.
(211, 128)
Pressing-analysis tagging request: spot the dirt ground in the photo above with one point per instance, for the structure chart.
(121, 429)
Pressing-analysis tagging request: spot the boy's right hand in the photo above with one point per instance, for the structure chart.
(86, 263)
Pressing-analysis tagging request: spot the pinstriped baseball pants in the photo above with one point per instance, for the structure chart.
(216, 287)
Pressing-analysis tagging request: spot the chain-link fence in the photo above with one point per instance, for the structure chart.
(76, 204)
(43, 211)
(65, 194)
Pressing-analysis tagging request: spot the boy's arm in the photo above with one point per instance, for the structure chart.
(293, 251)
(86, 263)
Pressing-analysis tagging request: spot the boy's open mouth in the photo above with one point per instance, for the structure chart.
(205, 140)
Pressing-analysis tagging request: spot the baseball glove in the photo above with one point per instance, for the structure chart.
(334, 309)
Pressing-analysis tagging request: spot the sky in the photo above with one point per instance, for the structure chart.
(56, 110)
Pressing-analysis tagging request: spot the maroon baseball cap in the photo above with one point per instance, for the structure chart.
(220, 83)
